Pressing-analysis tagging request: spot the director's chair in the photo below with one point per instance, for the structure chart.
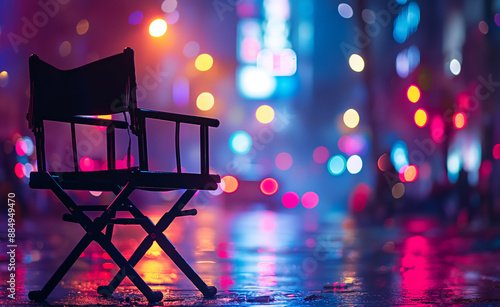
(105, 87)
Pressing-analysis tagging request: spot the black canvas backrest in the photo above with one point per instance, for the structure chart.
(106, 86)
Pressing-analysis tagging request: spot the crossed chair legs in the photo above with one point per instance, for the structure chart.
(94, 233)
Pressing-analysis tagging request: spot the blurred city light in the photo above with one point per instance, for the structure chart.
(459, 120)
(204, 62)
(255, 83)
(420, 118)
(336, 165)
(269, 186)
(229, 184)
(354, 164)
(205, 101)
(455, 67)
(413, 93)
(240, 142)
(309, 200)
(356, 62)
(290, 200)
(264, 114)
(158, 27)
(351, 118)
(284, 161)
(345, 10)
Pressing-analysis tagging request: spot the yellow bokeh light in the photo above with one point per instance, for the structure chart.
(204, 62)
(4, 78)
(82, 27)
(459, 120)
(265, 114)
(351, 118)
(413, 93)
(356, 62)
(205, 101)
(420, 117)
(158, 27)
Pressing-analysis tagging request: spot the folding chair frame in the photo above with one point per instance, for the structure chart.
(121, 182)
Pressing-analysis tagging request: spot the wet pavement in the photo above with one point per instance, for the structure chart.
(255, 256)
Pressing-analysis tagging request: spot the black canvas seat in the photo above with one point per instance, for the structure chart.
(104, 87)
(107, 180)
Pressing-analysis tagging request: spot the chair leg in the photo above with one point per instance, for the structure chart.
(169, 249)
(120, 276)
(163, 223)
(61, 271)
(127, 269)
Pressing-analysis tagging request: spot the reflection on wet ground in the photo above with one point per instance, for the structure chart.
(257, 256)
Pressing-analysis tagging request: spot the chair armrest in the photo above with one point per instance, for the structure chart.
(90, 121)
(188, 119)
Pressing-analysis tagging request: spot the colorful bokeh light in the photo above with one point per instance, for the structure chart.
(205, 101)
(135, 18)
(240, 142)
(269, 186)
(384, 162)
(351, 118)
(354, 164)
(290, 200)
(21, 147)
(455, 67)
(336, 165)
(496, 151)
(321, 154)
(356, 62)
(420, 118)
(229, 184)
(309, 200)
(398, 190)
(284, 161)
(20, 170)
(359, 197)
(264, 114)
(158, 27)
(345, 10)
(86, 164)
(459, 120)
(413, 93)
(204, 62)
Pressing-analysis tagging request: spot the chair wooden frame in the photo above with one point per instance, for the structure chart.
(63, 91)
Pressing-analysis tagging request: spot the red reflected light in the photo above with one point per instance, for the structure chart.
(86, 164)
(108, 266)
(290, 200)
(20, 170)
(437, 129)
(459, 120)
(269, 186)
(496, 151)
(384, 162)
(360, 197)
(310, 200)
